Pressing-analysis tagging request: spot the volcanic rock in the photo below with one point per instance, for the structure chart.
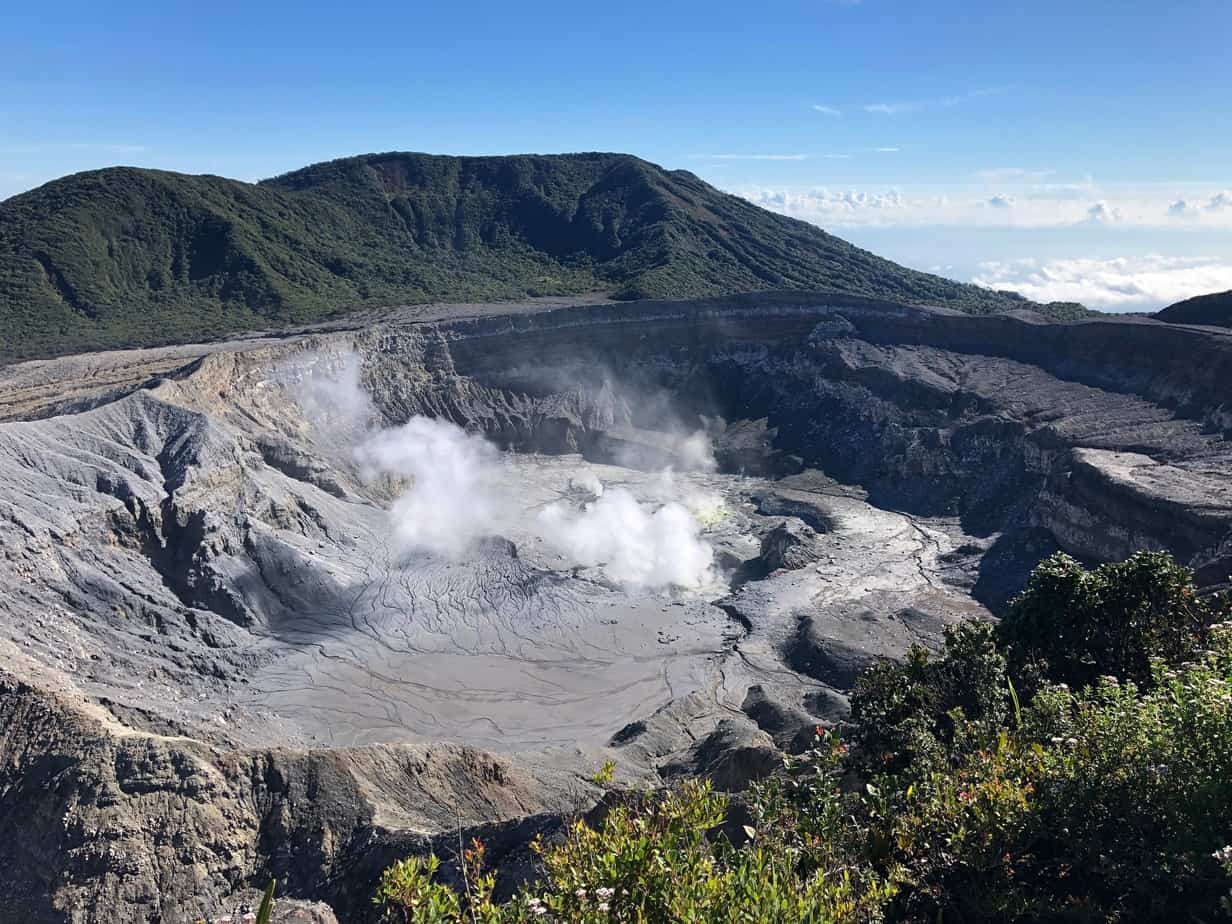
(221, 665)
(792, 544)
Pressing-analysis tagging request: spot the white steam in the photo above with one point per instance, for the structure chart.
(587, 483)
(454, 488)
(634, 543)
(329, 391)
(454, 494)
(696, 453)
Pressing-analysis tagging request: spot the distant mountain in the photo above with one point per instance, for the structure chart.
(126, 256)
(1214, 309)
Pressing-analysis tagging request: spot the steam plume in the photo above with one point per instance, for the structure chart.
(455, 488)
(634, 543)
(454, 494)
(329, 391)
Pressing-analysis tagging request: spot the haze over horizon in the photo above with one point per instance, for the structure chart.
(1018, 148)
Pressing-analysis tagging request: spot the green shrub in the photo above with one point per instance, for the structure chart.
(906, 715)
(1076, 625)
(1107, 804)
(658, 859)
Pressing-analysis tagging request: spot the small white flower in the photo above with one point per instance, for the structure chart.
(540, 910)
(602, 906)
(1223, 854)
(580, 893)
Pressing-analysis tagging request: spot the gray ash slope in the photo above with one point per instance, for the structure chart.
(218, 668)
(1213, 309)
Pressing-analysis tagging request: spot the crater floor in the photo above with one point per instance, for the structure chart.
(209, 615)
(517, 651)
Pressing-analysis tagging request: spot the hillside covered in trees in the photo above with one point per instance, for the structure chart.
(131, 257)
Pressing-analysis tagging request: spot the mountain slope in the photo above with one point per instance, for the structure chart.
(1214, 309)
(126, 256)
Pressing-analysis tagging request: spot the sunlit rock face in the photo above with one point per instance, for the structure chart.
(318, 600)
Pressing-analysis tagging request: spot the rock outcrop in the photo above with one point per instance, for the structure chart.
(790, 545)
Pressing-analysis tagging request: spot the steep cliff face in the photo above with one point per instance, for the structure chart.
(220, 667)
(102, 822)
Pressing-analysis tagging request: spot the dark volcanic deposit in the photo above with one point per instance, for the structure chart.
(230, 651)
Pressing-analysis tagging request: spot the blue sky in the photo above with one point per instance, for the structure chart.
(1075, 149)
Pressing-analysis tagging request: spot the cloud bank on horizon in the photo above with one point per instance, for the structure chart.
(999, 202)
(1026, 205)
(1120, 284)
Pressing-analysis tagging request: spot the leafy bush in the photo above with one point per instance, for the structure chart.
(906, 716)
(1105, 804)
(660, 859)
(1076, 625)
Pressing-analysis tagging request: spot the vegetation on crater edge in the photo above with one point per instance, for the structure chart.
(131, 257)
(1071, 764)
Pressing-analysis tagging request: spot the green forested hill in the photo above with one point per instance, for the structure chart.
(126, 256)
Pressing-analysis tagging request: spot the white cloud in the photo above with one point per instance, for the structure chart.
(1122, 284)
(1183, 208)
(827, 110)
(936, 102)
(1101, 213)
(825, 202)
(895, 108)
(886, 150)
(1023, 205)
